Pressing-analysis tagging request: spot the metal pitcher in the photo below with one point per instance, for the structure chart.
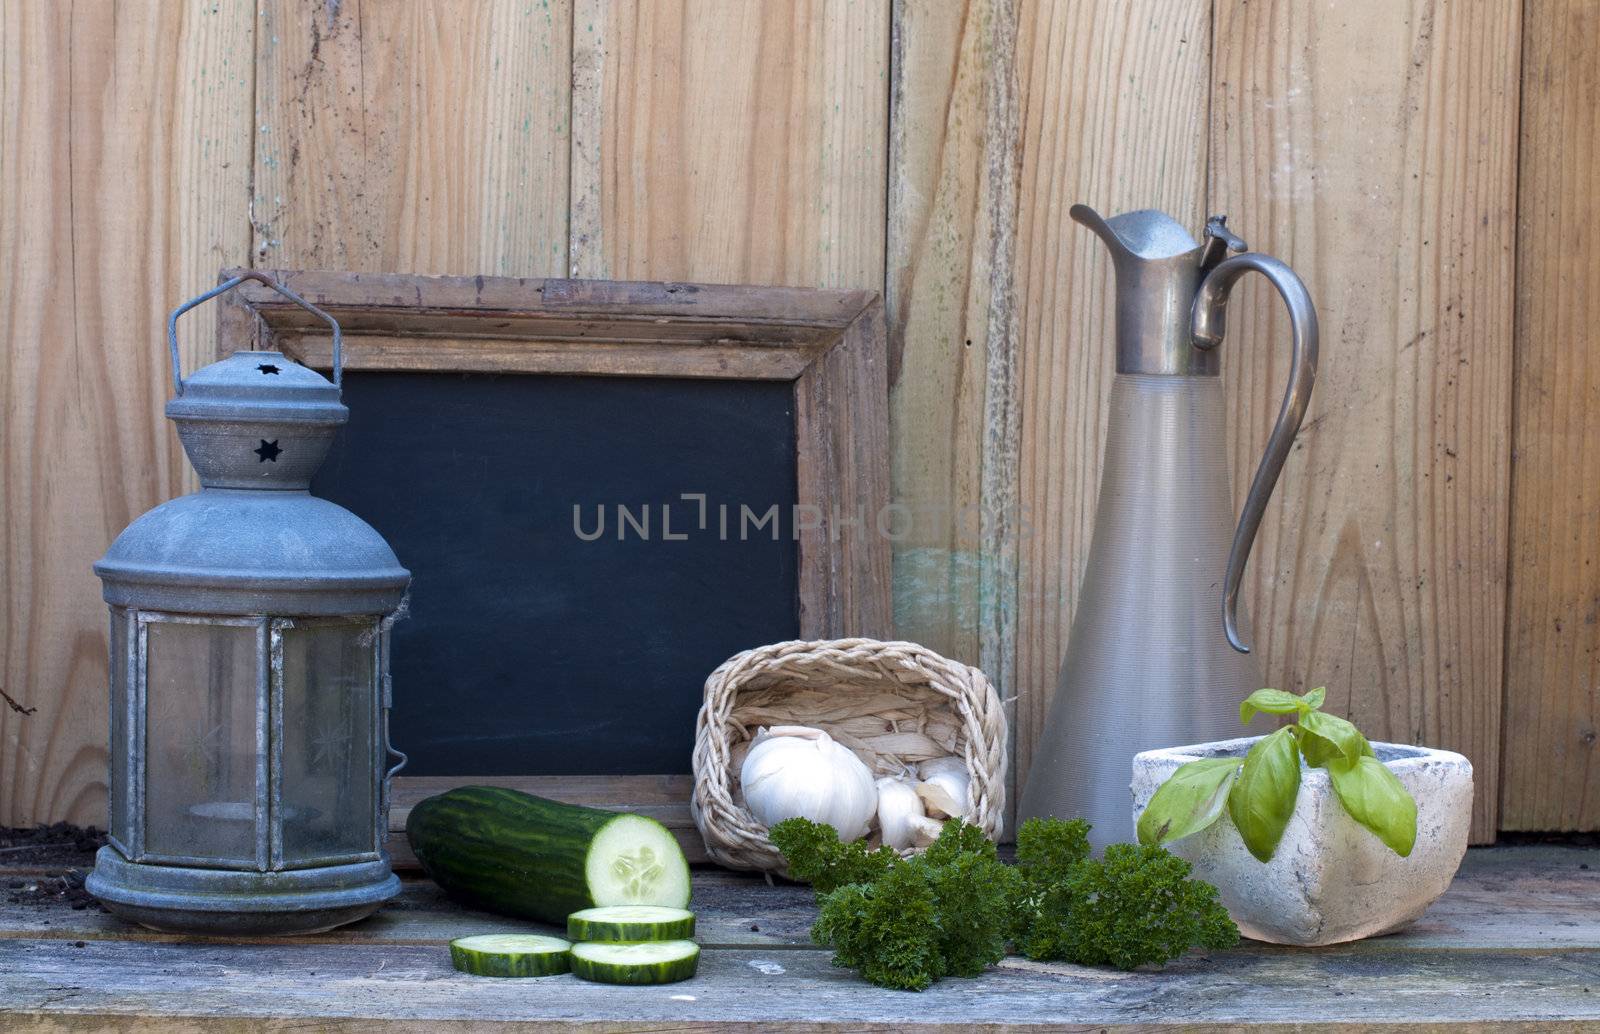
(1155, 657)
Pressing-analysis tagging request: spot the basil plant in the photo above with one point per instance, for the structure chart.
(1259, 791)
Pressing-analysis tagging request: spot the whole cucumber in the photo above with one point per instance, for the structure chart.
(516, 854)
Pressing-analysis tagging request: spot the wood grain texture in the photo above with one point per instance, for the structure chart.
(363, 300)
(1552, 688)
(400, 322)
(842, 466)
(427, 137)
(738, 142)
(1113, 101)
(1372, 146)
(952, 213)
(1528, 963)
(576, 355)
(124, 169)
(726, 906)
(1534, 899)
(54, 985)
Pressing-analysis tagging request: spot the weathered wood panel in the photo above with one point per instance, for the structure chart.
(417, 137)
(1532, 899)
(124, 165)
(926, 149)
(1529, 962)
(1552, 779)
(732, 910)
(738, 142)
(54, 985)
(952, 211)
(1113, 114)
(1372, 146)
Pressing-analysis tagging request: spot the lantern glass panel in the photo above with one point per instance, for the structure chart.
(328, 701)
(202, 704)
(117, 803)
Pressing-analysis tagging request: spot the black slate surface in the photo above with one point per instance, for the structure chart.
(528, 650)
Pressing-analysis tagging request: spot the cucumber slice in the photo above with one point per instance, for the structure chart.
(634, 860)
(511, 955)
(653, 962)
(631, 923)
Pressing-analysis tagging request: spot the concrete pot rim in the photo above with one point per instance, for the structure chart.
(1397, 757)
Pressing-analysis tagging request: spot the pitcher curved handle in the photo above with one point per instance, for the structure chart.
(1209, 325)
(230, 284)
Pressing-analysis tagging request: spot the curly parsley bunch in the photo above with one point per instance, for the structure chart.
(905, 923)
(1135, 907)
(954, 909)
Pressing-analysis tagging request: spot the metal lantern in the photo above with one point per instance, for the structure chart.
(250, 669)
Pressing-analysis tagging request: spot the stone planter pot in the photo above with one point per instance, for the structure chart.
(1331, 880)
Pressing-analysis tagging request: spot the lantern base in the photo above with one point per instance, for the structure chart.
(230, 902)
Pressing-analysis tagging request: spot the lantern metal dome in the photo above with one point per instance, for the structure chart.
(249, 668)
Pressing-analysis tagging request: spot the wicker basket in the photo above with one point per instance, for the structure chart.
(894, 704)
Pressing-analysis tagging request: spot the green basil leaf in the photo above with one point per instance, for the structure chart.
(1314, 697)
(1324, 737)
(1375, 797)
(1269, 701)
(1263, 797)
(1191, 799)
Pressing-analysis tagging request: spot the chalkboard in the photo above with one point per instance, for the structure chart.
(530, 649)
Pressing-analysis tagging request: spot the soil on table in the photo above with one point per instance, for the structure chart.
(46, 865)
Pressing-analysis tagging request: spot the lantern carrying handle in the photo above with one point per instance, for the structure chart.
(230, 284)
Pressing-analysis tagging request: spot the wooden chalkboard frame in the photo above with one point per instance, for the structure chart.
(830, 344)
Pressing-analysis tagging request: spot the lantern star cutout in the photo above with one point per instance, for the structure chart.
(267, 368)
(268, 450)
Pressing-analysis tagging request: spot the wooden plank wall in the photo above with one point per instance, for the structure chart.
(733, 142)
(1385, 174)
(1552, 714)
(426, 137)
(930, 149)
(125, 141)
(1113, 101)
(949, 292)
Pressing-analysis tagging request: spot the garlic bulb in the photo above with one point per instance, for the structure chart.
(793, 771)
(944, 787)
(899, 811)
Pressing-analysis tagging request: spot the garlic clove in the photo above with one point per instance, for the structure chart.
(951, 776)
(925, 831)
(939, 766)
(938, 801)
(898, 808)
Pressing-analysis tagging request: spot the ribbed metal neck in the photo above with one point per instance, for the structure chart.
(1153, 320)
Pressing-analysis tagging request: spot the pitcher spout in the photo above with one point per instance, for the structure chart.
(1148, 235)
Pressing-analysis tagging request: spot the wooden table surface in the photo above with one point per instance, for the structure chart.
(1516, 940)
